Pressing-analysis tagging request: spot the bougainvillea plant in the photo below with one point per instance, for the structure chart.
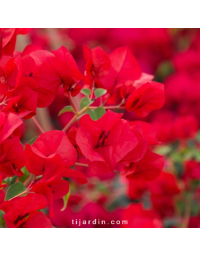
(37, 172)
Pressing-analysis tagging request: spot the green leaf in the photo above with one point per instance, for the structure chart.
(198, 137)
(163, 150)
(11, 180)
(26, 174)
(14, 190)
(164, 69)
(85, 102)
(96, 113)
(179, 168)
(1, 214)
(86, 92)
(99, 92)
(66, 109)
(65, 199)
(92, 114)
(2, 221)
(33, 140)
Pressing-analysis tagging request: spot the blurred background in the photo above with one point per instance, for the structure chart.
(173, 200)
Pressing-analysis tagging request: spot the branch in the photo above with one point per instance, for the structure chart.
(80, 164)
(37, 124)
(73, 103)
(75, 118)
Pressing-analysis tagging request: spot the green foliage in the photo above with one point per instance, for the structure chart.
(2, 222)
(11, 180)
(33, 140)
(65, 200)
(195, 208)
(14, 190)
(198, 136)
(86, 92)
(179, 168)
(85, 102)
(26, 174)
(164, 69)
(99, 92)
(97, 113)
(1, 214)
(66, 109)
(163, 150)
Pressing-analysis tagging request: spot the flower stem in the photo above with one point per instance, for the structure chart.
(92, 89)
(74, 119)
(29, 179)
(37, 124)
(80, 164)
(70, 123)
(73, 103)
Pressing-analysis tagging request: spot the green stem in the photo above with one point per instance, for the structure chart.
(74, 119)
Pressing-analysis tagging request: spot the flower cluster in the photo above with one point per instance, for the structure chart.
(35, 174)
(172, 200)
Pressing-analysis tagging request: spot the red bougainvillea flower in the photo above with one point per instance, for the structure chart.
(136, 189)
(51, 154)
(163, 191)
(97, 63)
(127, 89)
(48, 145)
(36, 163)
(148, 131)
(186, 127)
(137, 153)
(59, 69)
(192, 170)
(30, 48)
(147, 169)
(8, 39)
(28, 67)
(140, 163)
(42, 96)
(170, 128)
(124, 69)
(53, 189)
(8, 73)
(143, 80)
(8, 125)
(68, 71)
(146, 136)
(22, 212)
(105, 142)
(146, 98)
(11, 157)
(22, 71)
(23, 103)
(138, 217)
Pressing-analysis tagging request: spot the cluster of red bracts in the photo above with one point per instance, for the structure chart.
(31, 79)
(112, 143)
